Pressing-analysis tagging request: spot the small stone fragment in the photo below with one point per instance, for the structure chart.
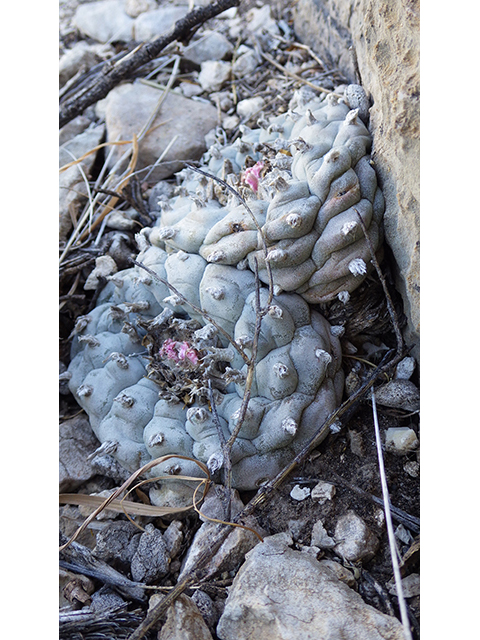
(405, 368)
(355, 541)
(213, 74)
(104, 266)
(412, 468)
(323, 491)
(173, 538)
(246, 108)
(184, 622)
(401, 440)
(150, 561)
(150, 24)
(104, 21)
(212, 45)
(77, 442)
(342, 573)
(320, 537)
(410, 586)
(207, 608)
(300, 493)
(356, 443)
(399, 394)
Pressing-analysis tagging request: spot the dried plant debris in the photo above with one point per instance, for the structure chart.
(222, 313)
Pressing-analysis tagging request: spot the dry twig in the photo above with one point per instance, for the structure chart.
(111, 74)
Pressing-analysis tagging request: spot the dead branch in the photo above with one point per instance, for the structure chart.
(112, 74)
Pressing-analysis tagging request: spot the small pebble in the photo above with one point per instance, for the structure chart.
(323, 491)
(403, 535)
(401, 440)
(104, 266)
(356, 443)
(299, 493)
(213, 74)
(412, 468)
(355, 540)
(320, 537)
(246, 108)
(410, 586)
(405, 368)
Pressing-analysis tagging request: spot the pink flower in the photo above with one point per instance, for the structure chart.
(252, 175)
(178, 351)
(168, 349)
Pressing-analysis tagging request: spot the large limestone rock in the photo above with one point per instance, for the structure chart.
(129, 106)
(383, 36)
(282, 594)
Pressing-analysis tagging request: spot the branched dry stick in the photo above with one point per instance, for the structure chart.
(111, 74)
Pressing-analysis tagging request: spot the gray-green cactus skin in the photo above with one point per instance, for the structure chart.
(316, 180)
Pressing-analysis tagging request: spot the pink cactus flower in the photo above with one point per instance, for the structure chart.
(178, 351)
(251, 175)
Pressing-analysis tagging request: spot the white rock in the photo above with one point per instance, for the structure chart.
(405, 368)
(401, 440)
(151, 24)
(323, 491)
(299, 493)
(282, 594)
(129, 106)
(190, 89)
(134, 8)
(410, 586)
(230, 122)
(246, 108)
(245, 64)
(213, 74)
(320, 537)
(212, 45)
(355, 541)
(104, 21)
(104, 266)
(120, 221)
(261, 20)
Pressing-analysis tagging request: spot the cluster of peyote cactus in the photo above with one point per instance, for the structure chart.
(143, 358)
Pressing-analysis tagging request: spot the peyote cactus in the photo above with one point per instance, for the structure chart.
(143, 358)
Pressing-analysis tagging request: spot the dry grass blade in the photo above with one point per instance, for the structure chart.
(94, 150)
(123, 182)
(153, 463)
(228, 524)
(295, 76)
(388, 519)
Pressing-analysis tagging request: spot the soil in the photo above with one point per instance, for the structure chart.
(347, 459)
